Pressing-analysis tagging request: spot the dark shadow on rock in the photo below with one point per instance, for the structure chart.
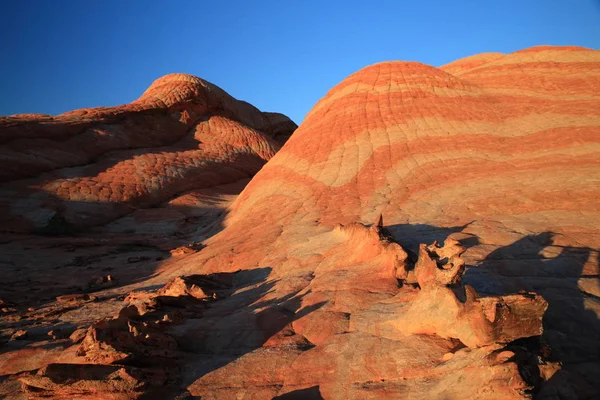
(571, 331)
(62, 258)
(311, 393)
(36, 269)
(180, 338)
(239, 324)
(411, 236)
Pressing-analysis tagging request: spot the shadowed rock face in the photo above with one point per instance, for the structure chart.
(495, 156)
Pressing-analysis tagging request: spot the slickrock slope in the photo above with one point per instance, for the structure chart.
(88, 167)
(479, 282)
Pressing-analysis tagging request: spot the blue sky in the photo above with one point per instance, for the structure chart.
(278, 55)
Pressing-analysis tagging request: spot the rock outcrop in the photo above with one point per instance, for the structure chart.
(89, 167)
(475, 321)
(301, 295)
(500, 153)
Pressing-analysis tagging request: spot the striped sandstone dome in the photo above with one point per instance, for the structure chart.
(501, 152)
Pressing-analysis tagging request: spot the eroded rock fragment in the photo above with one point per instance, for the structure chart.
(476, 321)
(82, 381)
(182, 286)
(21, 334)
(116, 339)
(75, 299)
(373, 241)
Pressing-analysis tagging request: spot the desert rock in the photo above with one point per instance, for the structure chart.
(89, 167)
(425, 233)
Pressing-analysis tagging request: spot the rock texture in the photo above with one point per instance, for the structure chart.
(480, 281)
(89, 167)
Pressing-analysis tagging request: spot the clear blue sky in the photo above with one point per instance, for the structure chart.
(278, 55)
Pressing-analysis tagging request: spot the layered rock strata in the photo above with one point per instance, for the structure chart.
(89, 167)
(496, 156)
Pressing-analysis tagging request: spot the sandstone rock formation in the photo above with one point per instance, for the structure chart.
(301, 295)
(88, 167)
(438, 310)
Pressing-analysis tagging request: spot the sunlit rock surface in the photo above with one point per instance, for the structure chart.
(480, 281)
(89, 167)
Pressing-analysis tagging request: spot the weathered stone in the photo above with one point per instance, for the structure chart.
(494, 155)
(21, 334)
